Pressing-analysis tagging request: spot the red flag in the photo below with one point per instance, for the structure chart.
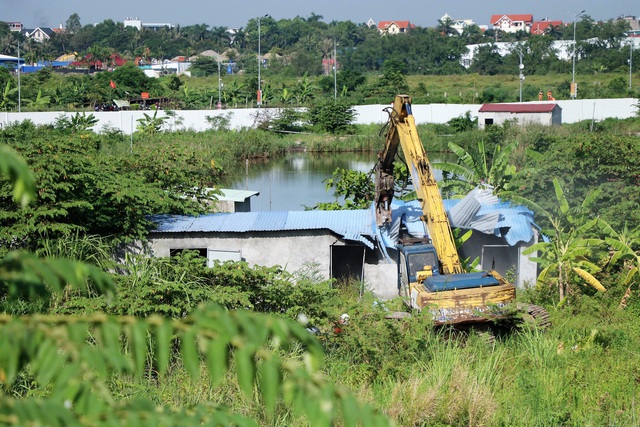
(112, 84)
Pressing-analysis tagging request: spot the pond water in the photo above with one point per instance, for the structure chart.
(295, 181)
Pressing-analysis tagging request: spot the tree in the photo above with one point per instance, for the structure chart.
(73, 23)
(446, 27)
(71, 360)
(333, 116)
(355, 187)
(487, 60)
(77, 123)
(151, 125)
(81, 191)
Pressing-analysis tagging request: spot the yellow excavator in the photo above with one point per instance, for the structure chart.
(430, 274)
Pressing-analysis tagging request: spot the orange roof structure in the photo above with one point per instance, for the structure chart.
(382, 25)
(541, 27)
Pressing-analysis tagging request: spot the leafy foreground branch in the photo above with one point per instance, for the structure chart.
(71, 357)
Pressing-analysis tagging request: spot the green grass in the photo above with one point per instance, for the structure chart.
(562, 376)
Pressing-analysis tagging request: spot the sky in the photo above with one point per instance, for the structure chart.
(236, 13)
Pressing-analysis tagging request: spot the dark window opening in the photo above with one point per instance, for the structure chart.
(201, 251)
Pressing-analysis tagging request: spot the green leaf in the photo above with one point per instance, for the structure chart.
(270, 383)
(46, 363)
(217, 358)
(138, 342)
(349, 410)
(245, 364)
(9, 358)
(109, 333)
(15, 169)
(163, 338)
(190, 356)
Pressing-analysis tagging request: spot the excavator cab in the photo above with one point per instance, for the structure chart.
(417, 261)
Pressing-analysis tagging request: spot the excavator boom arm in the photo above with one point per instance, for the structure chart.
(402, 131)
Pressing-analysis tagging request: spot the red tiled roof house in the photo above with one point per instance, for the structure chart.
(543, 27)
(394, 27)
(512, 23)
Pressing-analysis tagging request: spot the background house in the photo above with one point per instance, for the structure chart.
(512, 23)
(231, 200)
(137, 23)
(548, 114)
(544, 27)
(458, 24)
(394, 27)
(39, 34)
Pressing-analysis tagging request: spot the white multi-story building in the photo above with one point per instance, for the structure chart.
(136, 22)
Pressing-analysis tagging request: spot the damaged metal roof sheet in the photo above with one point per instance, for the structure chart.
(479, 210)
(351, 225)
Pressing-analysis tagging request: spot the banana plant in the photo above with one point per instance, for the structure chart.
(40, 102)
(622, 246)
(151, 125)
(7, 96)
(569, 250)
(304, 89)
(473, 168)
(286, 96)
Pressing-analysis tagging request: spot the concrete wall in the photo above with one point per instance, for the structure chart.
(291, 250)
(572, 111)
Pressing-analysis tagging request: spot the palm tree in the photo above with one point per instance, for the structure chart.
(220, 36)
(445, 27)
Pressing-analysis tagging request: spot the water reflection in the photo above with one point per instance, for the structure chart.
(296, 180)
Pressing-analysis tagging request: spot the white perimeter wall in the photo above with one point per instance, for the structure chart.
(572, 111)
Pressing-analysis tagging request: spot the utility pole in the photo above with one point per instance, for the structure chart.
(259, 67)
(574, 89)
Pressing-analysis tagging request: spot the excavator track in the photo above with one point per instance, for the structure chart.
(536, 315)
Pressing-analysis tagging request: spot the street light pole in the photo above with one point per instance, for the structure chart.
(259, 66)
(335, 70)
(521, 68)
(630, 62)
(219, 85)
(574, 89)
(19, 94)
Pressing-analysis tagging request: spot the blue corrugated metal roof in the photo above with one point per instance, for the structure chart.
(351, 225)
(513, 223)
